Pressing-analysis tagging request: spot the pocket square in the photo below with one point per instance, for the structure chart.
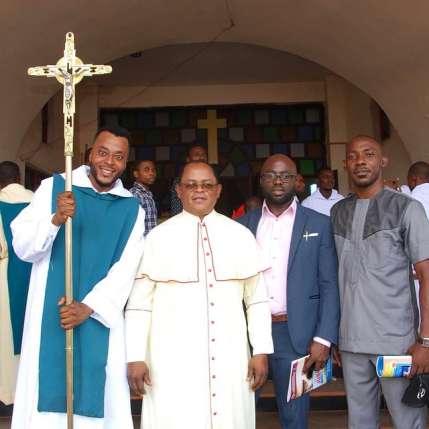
(308, 235)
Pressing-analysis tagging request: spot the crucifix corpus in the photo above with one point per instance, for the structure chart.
(69, 71)
(212, 124)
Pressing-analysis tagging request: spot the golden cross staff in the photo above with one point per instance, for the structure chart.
(69, 71)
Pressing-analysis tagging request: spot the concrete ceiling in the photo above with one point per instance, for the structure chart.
(218, 63)
(379, 46)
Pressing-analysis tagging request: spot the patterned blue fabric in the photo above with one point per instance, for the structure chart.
(145, 198)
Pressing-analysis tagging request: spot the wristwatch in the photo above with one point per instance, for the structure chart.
(424, 341)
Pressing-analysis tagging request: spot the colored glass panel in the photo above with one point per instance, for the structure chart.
(110, 119)
(314, 150)
(128, 119)
(162, 119)
(222, 133)
(144, 152)
(179, 118)
(201, 136)
(271, 135)
(243, 170)
(178, 153)
(162, 153)
(224, 146)
(171, 136)
(262, 150)
(188, 135)
(305, 134)
(318, 134)
(160, 170)
(281, 148)
(312, 116)
(228, 171)
(262, 117)
(307, 167)
(243, 117)
(170, 170)
(254, 135)
(256, 167)
(145, 120)
(236, 134)
(278, 117)
(295, 115)
(237, 155)
(288, 134)
(297, 150)
(249, 150)
(195, 116)
(153, 137)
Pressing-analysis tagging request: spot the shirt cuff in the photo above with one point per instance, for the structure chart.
(104, 311)
(322, 341)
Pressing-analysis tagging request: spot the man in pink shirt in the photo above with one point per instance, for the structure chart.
(298, 247)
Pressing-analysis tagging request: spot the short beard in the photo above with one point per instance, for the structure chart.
(93, 174)
(278, 202)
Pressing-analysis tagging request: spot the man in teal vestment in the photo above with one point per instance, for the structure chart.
(108, 228)
(14, 279)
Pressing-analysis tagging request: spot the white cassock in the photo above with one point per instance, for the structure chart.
(14, 193)
(185, 319)
(34, 235)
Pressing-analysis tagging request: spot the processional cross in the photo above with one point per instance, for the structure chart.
(69, 71)
(212, 124)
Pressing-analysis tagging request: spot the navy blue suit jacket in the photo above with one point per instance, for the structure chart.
(312, 280)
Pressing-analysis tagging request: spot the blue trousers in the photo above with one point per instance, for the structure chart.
(293, 414)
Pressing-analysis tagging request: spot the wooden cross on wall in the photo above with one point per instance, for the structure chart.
(212, 124)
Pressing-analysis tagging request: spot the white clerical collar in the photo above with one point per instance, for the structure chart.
(197, 218)
(81, 178)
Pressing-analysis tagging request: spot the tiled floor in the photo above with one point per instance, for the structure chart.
(265, 420)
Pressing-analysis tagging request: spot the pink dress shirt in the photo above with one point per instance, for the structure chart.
(274, 236)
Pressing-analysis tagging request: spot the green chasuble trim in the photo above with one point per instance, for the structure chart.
(101, 228)
(18, 275)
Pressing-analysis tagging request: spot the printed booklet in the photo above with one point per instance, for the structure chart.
(300, 383)
(393, 366)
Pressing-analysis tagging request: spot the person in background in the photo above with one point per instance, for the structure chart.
(418, 182)
(144, 172)
(325, 195)
(253, 203)
(300, 187)
(14, 279)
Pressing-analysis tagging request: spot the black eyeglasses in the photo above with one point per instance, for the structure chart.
(193, 186)
(284, 177)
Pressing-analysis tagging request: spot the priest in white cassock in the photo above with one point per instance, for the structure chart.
(107, 246)
(14, 279)
(186, 331)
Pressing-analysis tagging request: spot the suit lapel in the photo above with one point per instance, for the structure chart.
(297, 233)
(255, 217)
